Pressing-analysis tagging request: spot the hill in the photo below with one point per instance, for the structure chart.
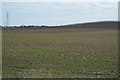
(105, 24)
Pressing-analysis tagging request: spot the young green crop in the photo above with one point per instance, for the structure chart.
(66, 54)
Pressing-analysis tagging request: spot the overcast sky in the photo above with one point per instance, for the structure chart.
(58, 13)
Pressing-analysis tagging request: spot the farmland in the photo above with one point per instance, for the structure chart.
(60, 53)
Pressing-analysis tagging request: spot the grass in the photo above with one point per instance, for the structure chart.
(46, 54)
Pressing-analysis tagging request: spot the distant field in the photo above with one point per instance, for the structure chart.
(60, 52)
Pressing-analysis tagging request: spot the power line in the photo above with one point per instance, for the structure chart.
(7, 19)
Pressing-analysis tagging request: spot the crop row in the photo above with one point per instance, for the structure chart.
(70, 71)
(48, 64)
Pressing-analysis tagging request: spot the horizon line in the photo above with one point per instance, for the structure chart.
(61, 24)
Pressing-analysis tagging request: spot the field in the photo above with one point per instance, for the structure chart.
(60, 53)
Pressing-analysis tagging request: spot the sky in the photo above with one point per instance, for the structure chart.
(57, 13)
